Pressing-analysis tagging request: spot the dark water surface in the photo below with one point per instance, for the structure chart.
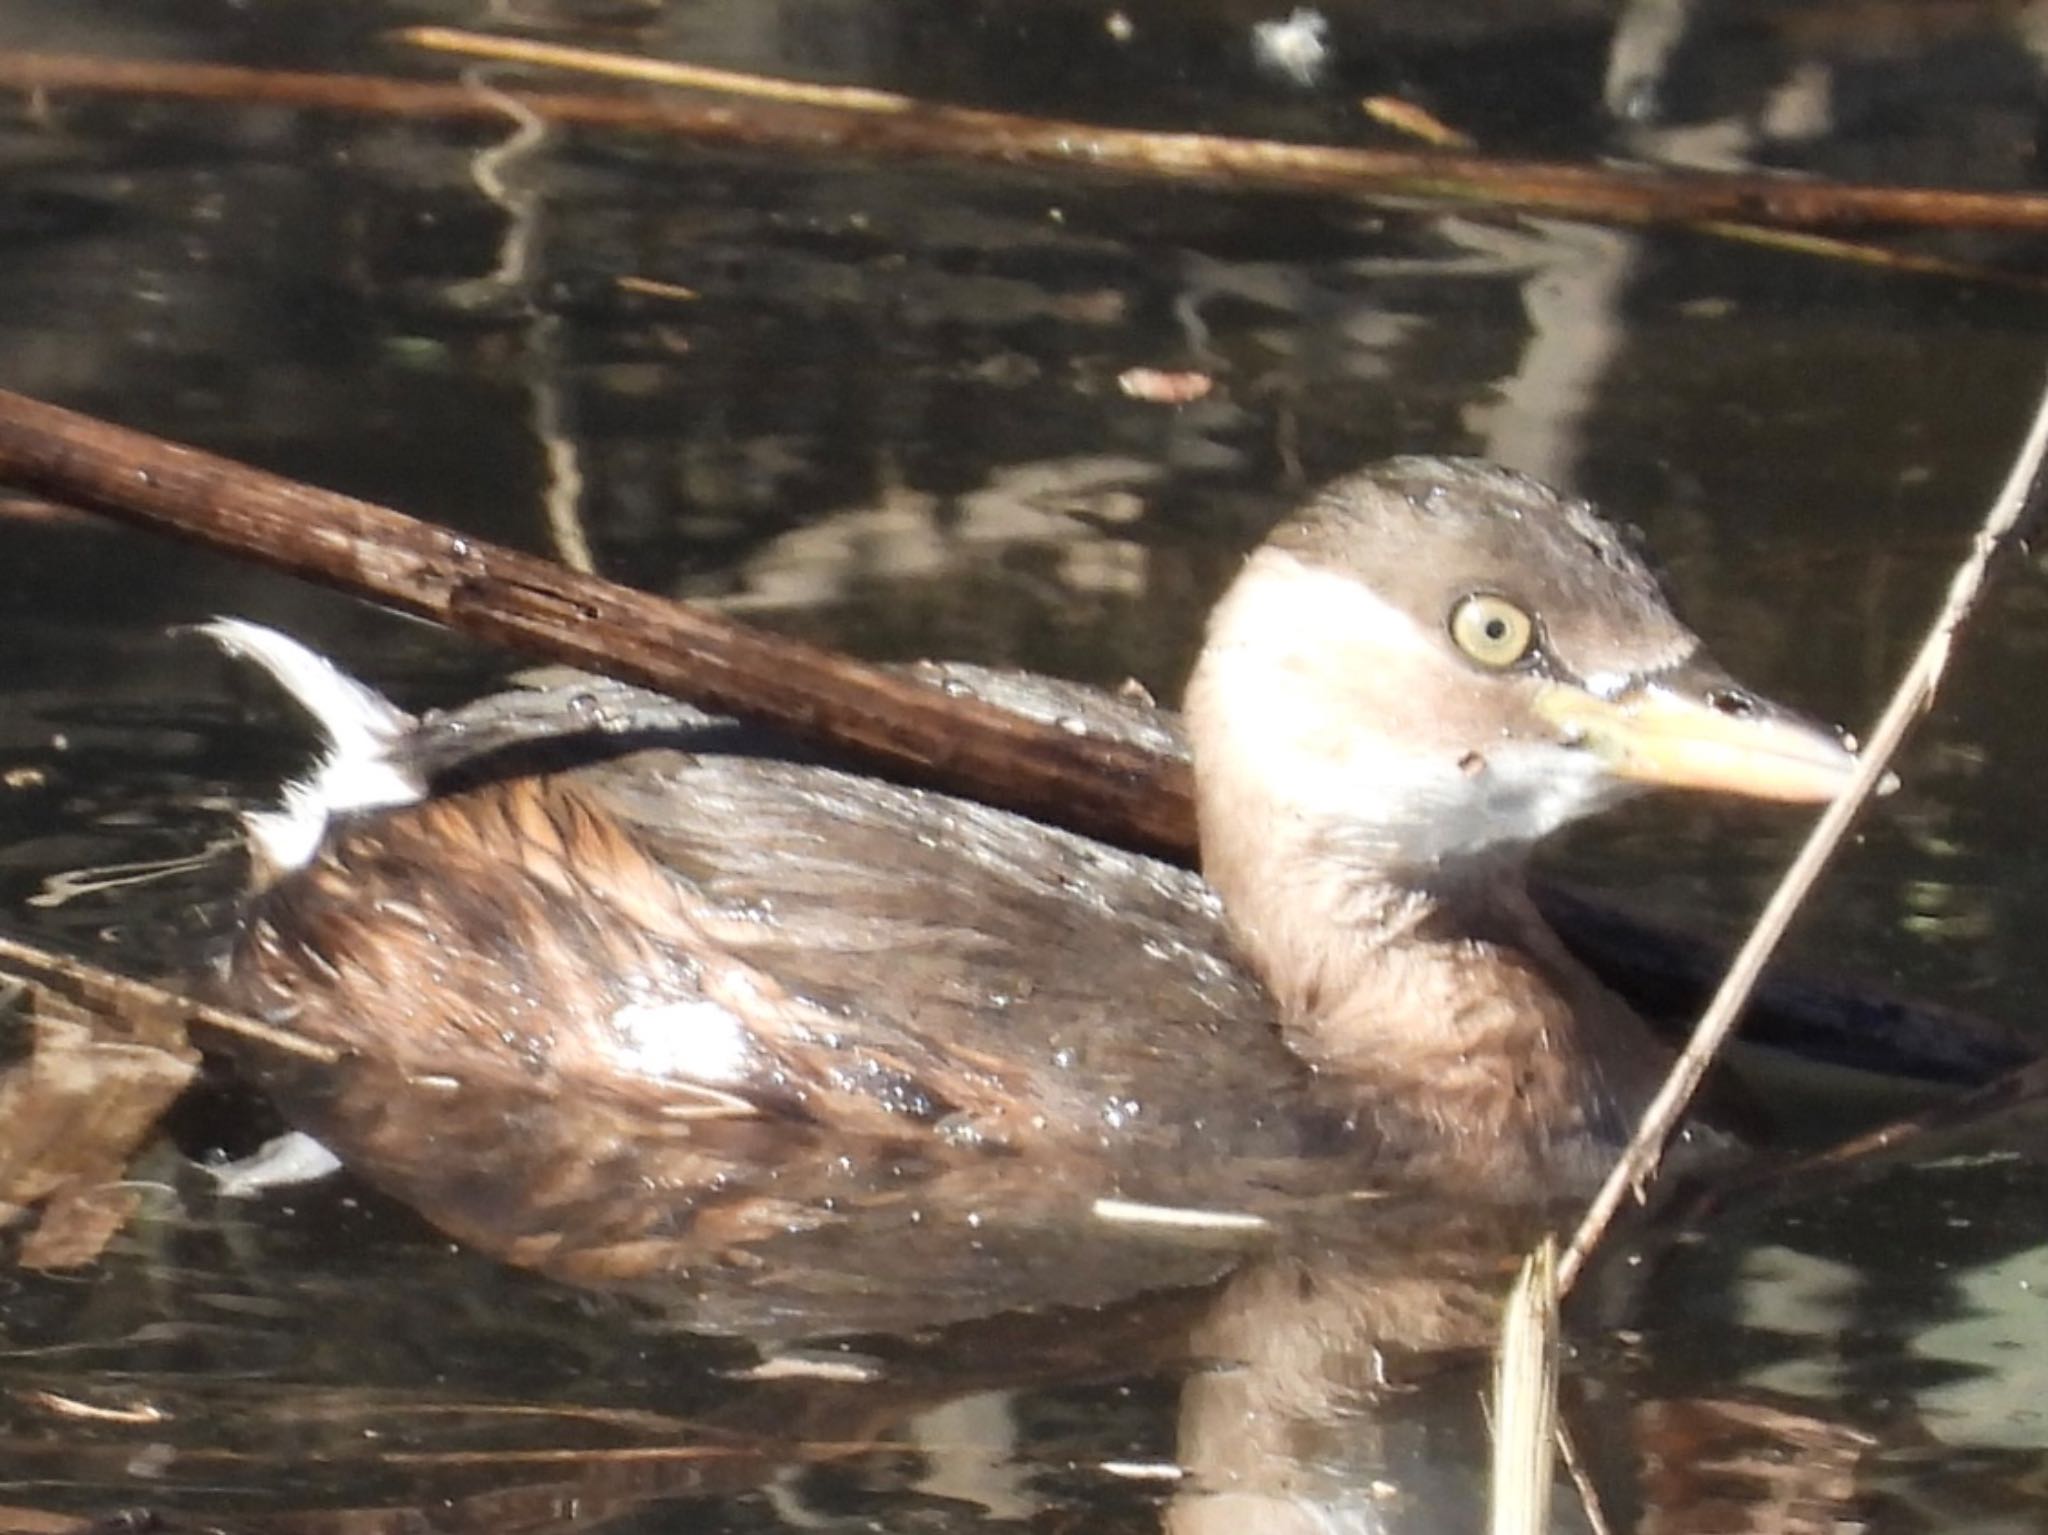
(890, 419)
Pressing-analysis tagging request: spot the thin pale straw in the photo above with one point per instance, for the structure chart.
(1914, 693)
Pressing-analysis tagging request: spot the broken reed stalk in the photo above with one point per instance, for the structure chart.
(1525, 1401)
(2001, 528)
(764, 113)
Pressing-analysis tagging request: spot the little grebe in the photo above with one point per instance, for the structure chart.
(647, 1001)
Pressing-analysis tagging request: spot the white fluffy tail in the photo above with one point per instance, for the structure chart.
(355, 773)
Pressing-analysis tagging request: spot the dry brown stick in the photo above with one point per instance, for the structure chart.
(1594, 192)
(2018, 499)
(1099, 787)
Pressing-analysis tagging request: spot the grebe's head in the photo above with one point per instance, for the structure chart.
(1437, 658)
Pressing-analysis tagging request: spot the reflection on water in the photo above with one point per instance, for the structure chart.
(877, 404)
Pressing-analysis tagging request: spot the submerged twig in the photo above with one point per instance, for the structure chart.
(1620, 194)
(822, 122)
(1417, 123)
(1582, 1481)
(1869, 1153)
(1883, 258)
(2000, 529)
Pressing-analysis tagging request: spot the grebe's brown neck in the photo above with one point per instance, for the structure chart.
(1435, 664)
(1440, 989)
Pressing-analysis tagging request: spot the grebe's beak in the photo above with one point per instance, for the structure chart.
(1694, 727)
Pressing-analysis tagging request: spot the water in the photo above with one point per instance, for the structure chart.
(889, 419)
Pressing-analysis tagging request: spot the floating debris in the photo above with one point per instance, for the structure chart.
(1160, 386)
(1134, 1212)
(1297, 47)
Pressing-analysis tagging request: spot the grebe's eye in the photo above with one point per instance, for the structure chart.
(1492, 630)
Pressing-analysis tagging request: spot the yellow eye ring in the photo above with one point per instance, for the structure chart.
(1492, 630)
